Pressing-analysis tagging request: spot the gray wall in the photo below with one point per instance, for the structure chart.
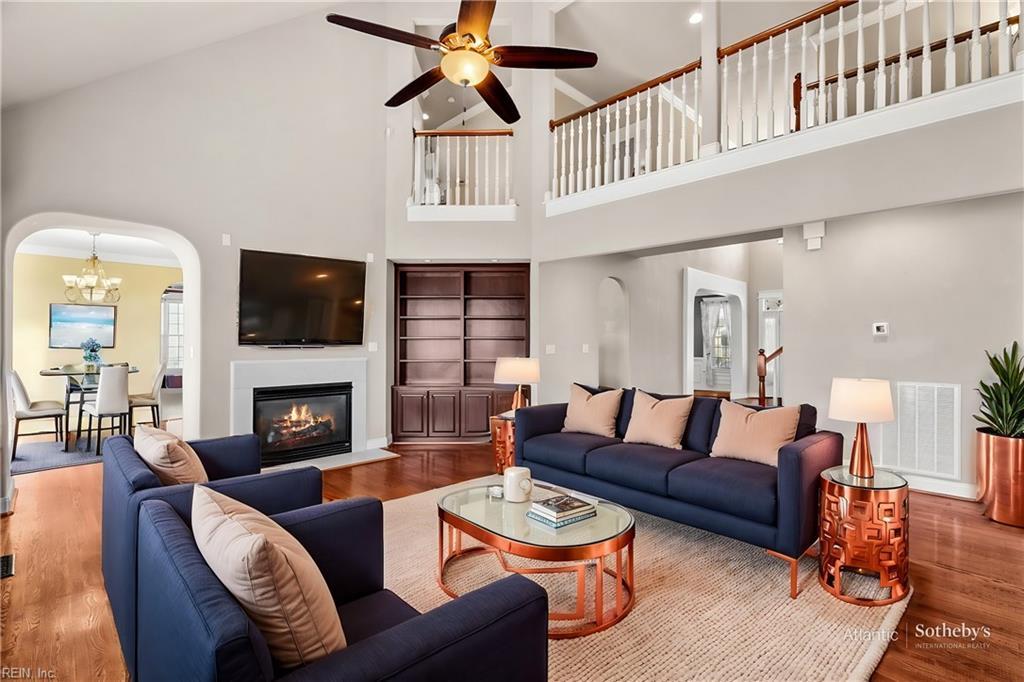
(273, 137)
(947, 279)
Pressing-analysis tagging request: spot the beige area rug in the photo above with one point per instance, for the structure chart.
(708, 607)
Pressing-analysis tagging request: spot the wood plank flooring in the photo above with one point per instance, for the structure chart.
(54, 613)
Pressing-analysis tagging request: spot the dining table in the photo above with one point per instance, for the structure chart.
(81, 378)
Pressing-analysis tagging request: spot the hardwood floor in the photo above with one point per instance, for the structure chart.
(54, 613)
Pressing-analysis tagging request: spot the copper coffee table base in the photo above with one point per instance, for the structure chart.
(577, 559)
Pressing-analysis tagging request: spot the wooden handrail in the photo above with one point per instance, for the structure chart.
(462, 133)
(918, 51)
(625, 94)
(824, 10)
(762, 372)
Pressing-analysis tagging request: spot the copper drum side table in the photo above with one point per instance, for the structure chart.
(604, 542)
(503, 440)
(865, 528)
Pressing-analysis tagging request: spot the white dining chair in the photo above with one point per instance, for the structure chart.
(111, 403)
(26, 409)
(150, 400)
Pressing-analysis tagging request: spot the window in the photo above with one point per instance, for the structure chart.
(172, 330)
(721, 355)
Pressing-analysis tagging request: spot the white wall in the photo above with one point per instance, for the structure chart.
(272, 137)
(948, 280)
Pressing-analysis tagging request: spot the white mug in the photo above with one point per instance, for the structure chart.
(518, 485)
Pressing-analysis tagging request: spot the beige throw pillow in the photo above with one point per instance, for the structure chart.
(271, 575)
(170, 458)
(592, 413)
(658, 422)
(754, 435)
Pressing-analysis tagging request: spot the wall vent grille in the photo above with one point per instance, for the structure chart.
(924, 438)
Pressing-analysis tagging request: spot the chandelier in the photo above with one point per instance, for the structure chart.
(92, 285)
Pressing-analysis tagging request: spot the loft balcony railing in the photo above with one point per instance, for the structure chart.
(803, 73)
(462, 168)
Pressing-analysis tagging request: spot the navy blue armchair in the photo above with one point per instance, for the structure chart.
(233, 467)
(191, 628)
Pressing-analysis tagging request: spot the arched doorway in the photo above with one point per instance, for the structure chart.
(188, 258)
(613, 344)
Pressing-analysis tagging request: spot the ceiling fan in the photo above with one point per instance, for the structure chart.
(467, 56)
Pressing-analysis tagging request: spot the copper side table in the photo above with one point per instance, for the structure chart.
(865, 528)
(503, 440)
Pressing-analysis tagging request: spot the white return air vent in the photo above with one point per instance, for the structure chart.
(924, 439)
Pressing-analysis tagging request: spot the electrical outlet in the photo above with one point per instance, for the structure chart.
(549, 349)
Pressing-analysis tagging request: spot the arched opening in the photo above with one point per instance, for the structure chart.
(715, 333)
(613, 344)
(187, 257)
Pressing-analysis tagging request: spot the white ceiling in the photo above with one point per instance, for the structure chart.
(53, 46)
(116, 248)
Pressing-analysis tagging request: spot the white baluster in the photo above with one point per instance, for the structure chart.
(755, 126)
(572, 156)
(860, 94)
(975, 58)
(661, 124)
(627, 165)
(910, 78)
(563, 179)
(787, 94)
(904, 76)
(926, 50)
(822, 98)
(841, 70)
(580, 169)
(648, 156)
(726, 128)
(589, 178)
(771, 89)
(465, 178)
(880, 70)
(447, 170)
(487, 171)
(739, 99)
(950, 47)
(435, 185)
(554, 163)
(672, 120)
(636, 139)
(682, 123)
(417, 182)
(696, 118)
(508, 169)
(458, 171)
(476, 171)
(804, 76)
(1004, 39)
(829, 101)
(617, 171)
(607, 175)
(893, 81)
(497, 170)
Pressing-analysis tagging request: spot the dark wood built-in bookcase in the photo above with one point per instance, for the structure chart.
(451, 323)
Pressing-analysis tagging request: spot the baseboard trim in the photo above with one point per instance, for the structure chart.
(381, 442)
(957, 489)
(7, 504)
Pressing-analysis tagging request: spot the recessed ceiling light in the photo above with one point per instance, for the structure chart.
(426, 116)
(696, 17)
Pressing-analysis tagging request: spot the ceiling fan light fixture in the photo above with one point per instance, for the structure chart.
(465, 67)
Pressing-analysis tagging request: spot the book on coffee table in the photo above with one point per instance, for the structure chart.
(549, 523)
(561, 508)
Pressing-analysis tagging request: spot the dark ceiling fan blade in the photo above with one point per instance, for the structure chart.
(537, 57)
(497, 98)
(424, 82)
(387, 32)
(475, 17)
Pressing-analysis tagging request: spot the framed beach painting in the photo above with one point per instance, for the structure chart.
(71, 324)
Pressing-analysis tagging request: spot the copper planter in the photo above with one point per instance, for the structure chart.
(1001, 477)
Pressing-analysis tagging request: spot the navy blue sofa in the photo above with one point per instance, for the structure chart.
(233, 467)
(773, 508)
(191, 628)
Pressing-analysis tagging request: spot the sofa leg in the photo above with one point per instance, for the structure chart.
(794, 565)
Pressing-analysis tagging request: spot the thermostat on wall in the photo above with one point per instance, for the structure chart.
(880, 329)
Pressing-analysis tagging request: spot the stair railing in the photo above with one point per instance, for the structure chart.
(762, 372)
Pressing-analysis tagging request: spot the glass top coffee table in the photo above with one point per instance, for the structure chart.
(592, 549)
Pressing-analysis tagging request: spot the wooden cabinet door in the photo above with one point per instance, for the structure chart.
(443, 413)
(410, 413)
(503, 398)
(477, 408)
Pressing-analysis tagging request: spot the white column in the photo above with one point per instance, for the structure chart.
(712, 134)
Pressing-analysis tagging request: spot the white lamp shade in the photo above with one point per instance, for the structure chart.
(517, 371)
(861, 400)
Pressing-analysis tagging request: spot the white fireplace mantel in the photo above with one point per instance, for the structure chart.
(249, 374)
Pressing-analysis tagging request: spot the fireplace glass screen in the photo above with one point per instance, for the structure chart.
(300, 422)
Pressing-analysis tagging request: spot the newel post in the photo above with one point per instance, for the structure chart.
(797, 92)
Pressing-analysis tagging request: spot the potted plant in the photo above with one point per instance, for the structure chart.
(1000, 442)
(91, 354)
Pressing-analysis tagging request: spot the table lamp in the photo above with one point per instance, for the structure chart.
(862, 401)
(517, 371)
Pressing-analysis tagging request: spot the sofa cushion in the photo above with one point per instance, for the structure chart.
(732, 486)
(593, 413)
(658, 422)
(171, 459)
(376, 612)
(701, 424)
(806, 426)
(566, 451)
(754, 435)
(638, 466)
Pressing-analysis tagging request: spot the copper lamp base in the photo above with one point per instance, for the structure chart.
(860, 458)
(519, 399)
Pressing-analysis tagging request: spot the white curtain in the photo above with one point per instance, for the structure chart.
(714, 312)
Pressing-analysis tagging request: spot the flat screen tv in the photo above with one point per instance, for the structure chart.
(290, 300)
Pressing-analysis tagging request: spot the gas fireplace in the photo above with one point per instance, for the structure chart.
(301, 422)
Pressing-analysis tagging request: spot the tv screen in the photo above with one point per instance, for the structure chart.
(286, 299)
